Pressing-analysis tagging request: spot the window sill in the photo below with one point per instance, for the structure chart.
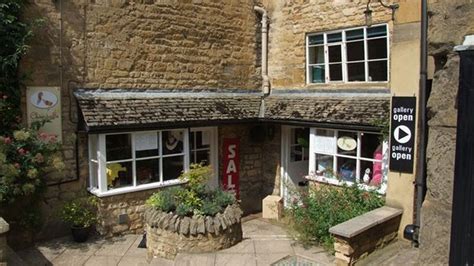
(331, 181)
(124, 190)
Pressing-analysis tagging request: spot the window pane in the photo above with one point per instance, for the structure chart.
(316, 39)
(378, 71)
(296, 154)
(148, 171)
(347, 143)
(94, 171)
(119, 175)
(172, 167)
(202, 157)
(335, 72)
(146, 144)
(371, 173)
(355, 51)
(172, 141)
(300, 136)
(346, 169)
(377, 48)
(203, 139)
(377, 31)
(335, 37)
(335, 54)
(93, 146)
(324, 141)
(118, 147)
(356, 71)
(371, 146)
(325, 165)
(355, 35)
(317, 74)
(316, 54)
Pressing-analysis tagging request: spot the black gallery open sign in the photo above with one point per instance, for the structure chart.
(402, 135)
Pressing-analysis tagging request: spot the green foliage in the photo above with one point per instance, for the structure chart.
(163, 200)
(210, 207)
(14, 35)
(194, 197)
(25, 158)
(223, 198)
(81, 212)
(313, 213)
(384, 125)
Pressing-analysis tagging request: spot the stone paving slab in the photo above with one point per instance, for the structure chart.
(264, 243)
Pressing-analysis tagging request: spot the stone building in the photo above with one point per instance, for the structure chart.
(148, 87)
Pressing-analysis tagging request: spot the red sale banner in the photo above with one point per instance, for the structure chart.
(230, 178)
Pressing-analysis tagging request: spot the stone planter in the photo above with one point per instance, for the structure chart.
(168, 234)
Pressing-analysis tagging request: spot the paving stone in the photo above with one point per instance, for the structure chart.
(275, 246)
(268, 259)
(112, 250)
(102, 261)
(69, 260)
(203, 259)
(244, 247)
(235, 259)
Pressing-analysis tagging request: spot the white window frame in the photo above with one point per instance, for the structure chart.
(312, 175)
(344, 62)
(100, 177)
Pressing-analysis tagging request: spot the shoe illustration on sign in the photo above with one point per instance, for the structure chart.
(402, 134)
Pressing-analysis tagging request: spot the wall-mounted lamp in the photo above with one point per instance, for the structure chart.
(368, 11)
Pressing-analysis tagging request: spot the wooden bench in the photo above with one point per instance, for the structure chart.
(360, 236)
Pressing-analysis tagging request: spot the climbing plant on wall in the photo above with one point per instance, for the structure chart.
(14, 35)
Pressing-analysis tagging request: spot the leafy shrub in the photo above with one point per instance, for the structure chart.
(223, 198)
(163, 200)
(210, 207)
(80, 212)
(194, 197)
(183, 210)
(313, 213)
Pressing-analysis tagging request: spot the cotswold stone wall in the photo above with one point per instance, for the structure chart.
(449, 23)
(168, 233)
(152, 44)
(253, 159)
(290, 21)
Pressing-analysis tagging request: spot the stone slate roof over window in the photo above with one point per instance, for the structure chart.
(360, 109)
(142, 109)
(126, 109)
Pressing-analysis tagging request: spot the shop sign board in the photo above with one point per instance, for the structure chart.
(45, 103)
(402, 135)
(230, 181)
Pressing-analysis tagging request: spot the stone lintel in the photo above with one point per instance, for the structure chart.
(364, 222)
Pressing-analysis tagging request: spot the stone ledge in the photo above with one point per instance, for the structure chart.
(4, 226)
(364, 222)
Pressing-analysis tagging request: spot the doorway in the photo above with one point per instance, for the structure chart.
(294, 160)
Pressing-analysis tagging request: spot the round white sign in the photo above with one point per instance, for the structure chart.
(346, 143)
(44, 99)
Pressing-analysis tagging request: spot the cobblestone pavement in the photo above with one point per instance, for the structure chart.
(264, 243)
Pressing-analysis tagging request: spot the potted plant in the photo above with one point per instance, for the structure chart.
(81, 214)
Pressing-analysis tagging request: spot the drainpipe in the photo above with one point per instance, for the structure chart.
(412, 231)
(265, 80)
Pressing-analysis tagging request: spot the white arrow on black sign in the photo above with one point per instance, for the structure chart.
(402, 134)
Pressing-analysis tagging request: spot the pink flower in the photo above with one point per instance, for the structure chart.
(22, 151)
(5, 97)
(7, 140)
(17, 165)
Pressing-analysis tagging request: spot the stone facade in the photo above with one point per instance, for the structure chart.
(255, 159)
(168, 233)
(449, 23)
(292, 20)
